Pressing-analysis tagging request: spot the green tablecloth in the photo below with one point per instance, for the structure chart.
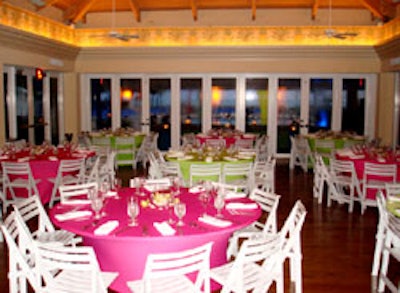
(122, 157)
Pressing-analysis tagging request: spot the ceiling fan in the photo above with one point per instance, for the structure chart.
(113, 33)
(331, 33)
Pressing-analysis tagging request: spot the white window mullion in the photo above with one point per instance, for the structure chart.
(304, 103)
(207, 100)
(46, 108)
(175, 112)
(12, 102)
(337, 98)
(240, 103)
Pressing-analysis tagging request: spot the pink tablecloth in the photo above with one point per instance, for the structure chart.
(43, 168)
(228, 140)
(359, 166)
(125, 249)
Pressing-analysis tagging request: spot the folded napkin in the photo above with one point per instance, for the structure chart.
(164, 228)
(184, 158)
(210, 220)
(394, 198)
(76, 202)
(52, 158)
(73, 215)
(356, 157)
(242, 206)
(106, 228)
(3, 157)
(24, 159)
(111, 193)
(156, 187)
(230, 159)
(235, 195)
(196, 189)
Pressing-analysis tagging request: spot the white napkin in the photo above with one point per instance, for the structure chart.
(111, 193)
(345, 152)
(196, 189)
(106, 228)
(3, 157)
(230, 159)
(73, 215)
(76, 202)
(394, 198)
(242, 206)
(164, 228)
(235, 195)
(185, 158)
(210, 220)
(52, 158)
(25, 159)
(355, 157)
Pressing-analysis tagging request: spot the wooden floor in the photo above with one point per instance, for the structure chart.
(337, 246)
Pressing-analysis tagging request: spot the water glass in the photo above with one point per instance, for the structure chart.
(133, 211)
(97, 205)
(219, 203)
(180, 212)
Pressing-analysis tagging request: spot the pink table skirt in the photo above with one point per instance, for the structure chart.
(43, 168)
(125, 250)
(228, 140)
(359, 166)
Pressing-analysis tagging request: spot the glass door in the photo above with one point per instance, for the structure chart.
(288, 110)
(160, 110)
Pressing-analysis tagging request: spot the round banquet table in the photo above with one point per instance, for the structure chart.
(359, 162)
(44, 167)
(125, 249)
(229, 140)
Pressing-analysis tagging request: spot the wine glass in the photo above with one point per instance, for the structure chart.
(204, 198)
(180, 212)
(219, 203)
(133, 211)
(104, 188)
(171, 206)
(117, 183)
(96, 204)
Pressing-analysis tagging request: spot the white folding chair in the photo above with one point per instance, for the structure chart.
(238, 174)
(375, 177)
(266, 224)
(300, 153)
(107, 169)
(291, 238)
(17, 175)
(210, 172)
(170, 169)
(215, 142)
(168, 272)
(263, 175)
(71, 269)
(92, 172)
(69, 172)
(103, 141)
(321, 178)
(20, 259)
(380, 235)
(76, 193)
(244, 144)
(258, 264)
(392, 190)
(125, 148)
(326, 148)
(390, 254)
(344, 185)
(36, 222)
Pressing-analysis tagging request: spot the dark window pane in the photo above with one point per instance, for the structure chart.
(353, 105)
(256, 105)
(191, 105)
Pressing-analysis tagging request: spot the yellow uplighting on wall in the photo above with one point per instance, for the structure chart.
(197, 36)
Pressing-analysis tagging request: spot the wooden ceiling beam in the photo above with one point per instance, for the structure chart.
(47, 3)
(374, 7)
(135, 9)
(253, 9)
(79, 11)
(314, 9)
(193, 4)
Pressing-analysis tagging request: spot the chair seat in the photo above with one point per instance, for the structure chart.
(164, 285)
(62, 236)
(22, 182)
(63, 284)
(253, 275)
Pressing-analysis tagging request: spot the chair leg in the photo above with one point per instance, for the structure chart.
(378, 251)
(384, 266)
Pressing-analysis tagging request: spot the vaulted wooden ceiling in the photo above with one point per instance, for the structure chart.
(75, 10)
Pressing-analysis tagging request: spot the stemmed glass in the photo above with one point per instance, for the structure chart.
(96, 204)
(180, 212)
(204, 198)
(219, 203)
(171, 201)
(133, 211)
(137, 184)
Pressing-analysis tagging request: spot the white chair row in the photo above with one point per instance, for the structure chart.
(340, 182)
(387, 249)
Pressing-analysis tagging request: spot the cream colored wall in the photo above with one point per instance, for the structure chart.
(71, 104)
(2, 116)
(385, 107)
